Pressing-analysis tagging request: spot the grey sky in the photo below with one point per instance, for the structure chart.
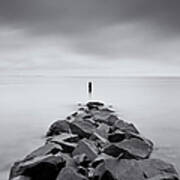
(90, 36)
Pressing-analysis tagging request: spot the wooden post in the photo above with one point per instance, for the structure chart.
(90, 89)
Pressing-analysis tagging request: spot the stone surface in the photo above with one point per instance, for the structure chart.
(114, 169)
(58, 127)
(126, 127)
(46, 149)
(22, 178)
(154, 167)
(131, 148)
(70, 174)
(43, 167)
(82, 128)
(86, 147)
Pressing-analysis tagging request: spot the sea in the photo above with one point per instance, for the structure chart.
(30, 104)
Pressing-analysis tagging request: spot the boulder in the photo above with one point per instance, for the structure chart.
(124, 169)
(58, 127)
(67, 137)
(131, 148)
(43, 167)
(125, 127)
(87, 147)
(157, 168)
(115, 169)
(99, 159)
(70, 174)
(94, 105)
(67, 147)
(106, 117)
(46, 149)
(82, 128)
(116, 136)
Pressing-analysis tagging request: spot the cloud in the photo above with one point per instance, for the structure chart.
(86, 34)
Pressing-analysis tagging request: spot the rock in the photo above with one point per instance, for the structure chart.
(94, 105)
(125, 127)
(114, 169)
(22, 178)
(86, 147)
(157, 168)
(70, 174)
(46, 149)
(96, 136)
(67, 147)
(125, 169)
(164, 177)
(116, 136)
(100, 158)
(58, 127)
(72, 138)
(106, 117)
(82, 128)
(132, 148)
(81, 159)
(43, 167)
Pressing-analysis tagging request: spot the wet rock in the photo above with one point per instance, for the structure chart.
(44, 150)
(106, 117)
(67, 147)
(72, 138)
(81, 159)
(116, 136)
(22, 178)
(132, 148)
(86, 147)
(43, 167)
(94, 105)
(165, 177)
(99, 159)
(70, 174)
(58, 127)
(125, 127)
(114, 169)
(157, 168)
(82, 128)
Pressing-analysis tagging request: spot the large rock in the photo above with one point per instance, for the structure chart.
(86, 147)
(46, 149)
(94, 105)
(43, 167)
(156, 167)
(105, 116)
(124, 126)
(82, 128)
(130, 148)
(63, 141)
(151, 169)
(58, 127)
(114, 169)
(70, 174)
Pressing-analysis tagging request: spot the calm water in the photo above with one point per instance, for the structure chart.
(29, 105)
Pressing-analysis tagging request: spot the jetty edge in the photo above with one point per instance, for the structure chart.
(93, 143)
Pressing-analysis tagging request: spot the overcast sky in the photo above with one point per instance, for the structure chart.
(90, 37)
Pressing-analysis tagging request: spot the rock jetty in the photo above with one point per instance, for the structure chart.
(93, 144)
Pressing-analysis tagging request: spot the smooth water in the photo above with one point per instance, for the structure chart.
(28, 105)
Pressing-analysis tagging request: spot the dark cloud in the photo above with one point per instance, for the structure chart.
(73, 16)
(90, 30)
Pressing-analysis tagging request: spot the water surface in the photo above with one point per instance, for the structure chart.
(28, 105)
